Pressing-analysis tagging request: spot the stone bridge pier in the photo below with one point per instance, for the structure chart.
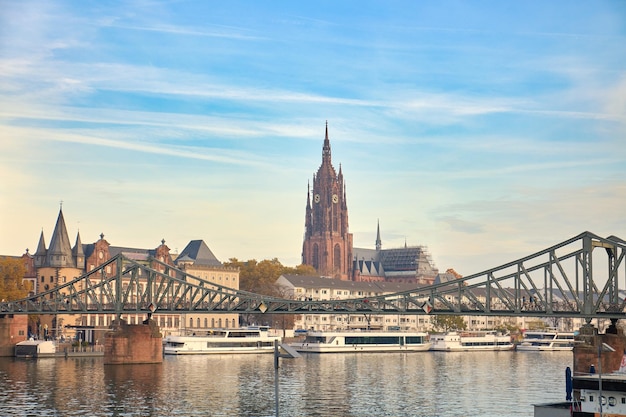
(133, 343)
(589, 341)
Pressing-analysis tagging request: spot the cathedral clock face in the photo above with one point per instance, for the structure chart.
(317, 198)
(335, 198)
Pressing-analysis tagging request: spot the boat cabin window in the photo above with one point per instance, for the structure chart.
(314, 339)
(247, 333)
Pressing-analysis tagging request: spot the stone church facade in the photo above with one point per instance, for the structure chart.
(328, 244)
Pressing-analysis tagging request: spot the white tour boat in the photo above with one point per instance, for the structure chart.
(547, 340)
(471, 341)
(222, 341)
(363, 341)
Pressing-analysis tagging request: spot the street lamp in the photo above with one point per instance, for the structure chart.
(289, 353)
(602, 347)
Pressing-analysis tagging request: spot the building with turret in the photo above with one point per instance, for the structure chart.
(60, 263)
(328, 244)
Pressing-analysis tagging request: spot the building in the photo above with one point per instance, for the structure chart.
(300, 287)
(61, 263)
(328, 244)
(198, 260)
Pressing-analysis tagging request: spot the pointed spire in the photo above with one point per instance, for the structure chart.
(326, 147)
(41, 246)
(379, 244)
(78, 247)
(308, 195)
(60, 251)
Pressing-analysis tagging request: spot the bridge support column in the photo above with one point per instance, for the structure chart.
(133, 344)
(13, 329)
(589, 341)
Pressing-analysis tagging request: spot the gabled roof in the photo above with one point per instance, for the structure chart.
(199, 252)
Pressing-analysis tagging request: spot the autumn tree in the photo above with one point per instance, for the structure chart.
(260, 278)
(448, 322)
(12, 284)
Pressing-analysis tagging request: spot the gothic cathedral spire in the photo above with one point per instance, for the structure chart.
(327, 243)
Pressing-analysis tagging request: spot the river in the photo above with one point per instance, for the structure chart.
(356, 385)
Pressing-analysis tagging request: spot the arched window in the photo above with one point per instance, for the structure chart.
(219, 323)
(316, 256)
(206, 322)
(190, 322)
(198, 322)
(213, 322)
(337, 258)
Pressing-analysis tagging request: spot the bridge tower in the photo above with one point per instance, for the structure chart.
(327, 242)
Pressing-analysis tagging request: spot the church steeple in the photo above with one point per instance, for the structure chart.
(379, 244)
(326, 148)
(327, 243)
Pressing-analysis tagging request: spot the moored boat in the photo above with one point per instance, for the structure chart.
(546, 340)
(363, 341)
(471, 341)
(35, 349)
(222, 341)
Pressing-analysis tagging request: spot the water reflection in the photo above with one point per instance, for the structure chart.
(353, 385)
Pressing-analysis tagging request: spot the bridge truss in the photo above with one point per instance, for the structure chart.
(583, 277)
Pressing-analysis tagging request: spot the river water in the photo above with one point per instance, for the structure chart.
(356, 385)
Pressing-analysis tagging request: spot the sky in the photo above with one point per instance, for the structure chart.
(484, 130)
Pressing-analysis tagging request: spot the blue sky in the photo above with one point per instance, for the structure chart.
(483, 130)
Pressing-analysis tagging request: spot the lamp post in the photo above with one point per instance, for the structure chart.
(606, 348)
(289, 353)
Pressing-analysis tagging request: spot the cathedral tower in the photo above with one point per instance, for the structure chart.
(327, 244)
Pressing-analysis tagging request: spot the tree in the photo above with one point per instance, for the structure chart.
(260, 278)
(12, 284)
(448, 322)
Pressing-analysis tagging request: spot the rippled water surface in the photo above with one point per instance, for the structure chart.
(356, 385)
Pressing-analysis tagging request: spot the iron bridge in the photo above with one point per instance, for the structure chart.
(583, 277)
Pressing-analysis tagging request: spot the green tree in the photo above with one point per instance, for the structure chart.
(12, 284)
(448, 322)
